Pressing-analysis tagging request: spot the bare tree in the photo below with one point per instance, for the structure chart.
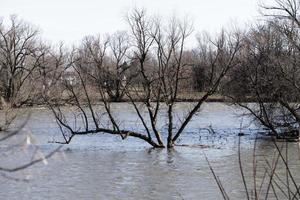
(20, 53)
(158, 53)
(269, 73)
(119, 44)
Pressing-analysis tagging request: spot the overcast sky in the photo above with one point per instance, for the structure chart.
(70, 20)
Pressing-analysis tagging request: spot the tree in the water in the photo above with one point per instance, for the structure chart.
(269, 72)
(158, 69)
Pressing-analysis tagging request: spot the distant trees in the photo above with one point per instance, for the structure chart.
(20, 54)
(121, 77)
(29, 68)
(54, 72)
(104, 62)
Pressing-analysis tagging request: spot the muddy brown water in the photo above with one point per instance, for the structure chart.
(105, 167)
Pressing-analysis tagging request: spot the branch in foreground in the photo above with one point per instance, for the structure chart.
(22, 167)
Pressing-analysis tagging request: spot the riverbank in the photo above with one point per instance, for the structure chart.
(96, 99)
(182, 97)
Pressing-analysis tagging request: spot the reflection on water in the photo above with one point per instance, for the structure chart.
(105, 167)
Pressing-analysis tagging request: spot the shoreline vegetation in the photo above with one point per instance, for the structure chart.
(193, 97)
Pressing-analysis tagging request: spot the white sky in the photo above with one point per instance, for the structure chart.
(71, 20)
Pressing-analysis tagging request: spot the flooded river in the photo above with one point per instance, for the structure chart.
(102, 166)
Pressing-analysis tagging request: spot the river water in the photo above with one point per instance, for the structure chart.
(102, 166)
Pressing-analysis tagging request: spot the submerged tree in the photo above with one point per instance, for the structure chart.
(269, 71)
(160, 70)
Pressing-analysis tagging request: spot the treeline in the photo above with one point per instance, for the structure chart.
(151, 63)
(30, 67)
(266, 60)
